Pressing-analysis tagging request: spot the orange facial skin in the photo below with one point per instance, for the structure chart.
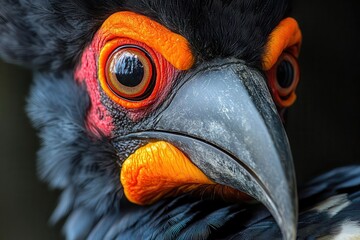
(286, 36)
(156, 170)
(173, 47)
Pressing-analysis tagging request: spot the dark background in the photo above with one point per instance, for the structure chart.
(323, 125)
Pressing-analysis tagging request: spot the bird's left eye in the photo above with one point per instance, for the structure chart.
(130, 73)
(283, 79)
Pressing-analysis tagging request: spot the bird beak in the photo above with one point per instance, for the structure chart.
(223, 118)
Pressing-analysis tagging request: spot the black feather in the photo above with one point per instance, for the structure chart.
(51, 34)
(71, 158)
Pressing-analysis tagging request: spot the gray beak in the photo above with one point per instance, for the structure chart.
(223, 118)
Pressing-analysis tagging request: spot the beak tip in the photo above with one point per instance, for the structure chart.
(289, 229)
(286, 217)
(289, 233)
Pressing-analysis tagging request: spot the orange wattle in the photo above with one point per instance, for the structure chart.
(158, 170)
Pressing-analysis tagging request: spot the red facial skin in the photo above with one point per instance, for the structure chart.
(99, 117)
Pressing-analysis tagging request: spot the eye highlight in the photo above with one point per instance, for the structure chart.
(130, 73)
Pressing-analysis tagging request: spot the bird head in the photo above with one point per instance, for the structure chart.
(140, 103)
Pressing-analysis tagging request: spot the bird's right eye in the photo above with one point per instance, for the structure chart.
(131, 73)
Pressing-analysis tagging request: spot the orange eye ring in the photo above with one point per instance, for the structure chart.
(127, 98)
(283, 79)
(134, 61)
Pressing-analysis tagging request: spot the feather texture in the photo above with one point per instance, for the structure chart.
(51, 34)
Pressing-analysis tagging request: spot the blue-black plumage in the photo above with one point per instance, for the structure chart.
(82, 164)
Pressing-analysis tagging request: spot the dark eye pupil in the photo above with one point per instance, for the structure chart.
(129, 70)
(285, 74)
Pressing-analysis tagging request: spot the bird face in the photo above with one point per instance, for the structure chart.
(169, 99)
(207, 125)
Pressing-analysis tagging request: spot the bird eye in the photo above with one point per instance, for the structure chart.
(285, 74)
(130, 73)
(283, 79)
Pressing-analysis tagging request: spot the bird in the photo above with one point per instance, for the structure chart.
(165, 119)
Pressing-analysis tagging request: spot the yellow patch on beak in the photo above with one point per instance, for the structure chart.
(158, 170)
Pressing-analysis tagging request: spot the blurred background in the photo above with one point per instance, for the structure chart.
(323, 125)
